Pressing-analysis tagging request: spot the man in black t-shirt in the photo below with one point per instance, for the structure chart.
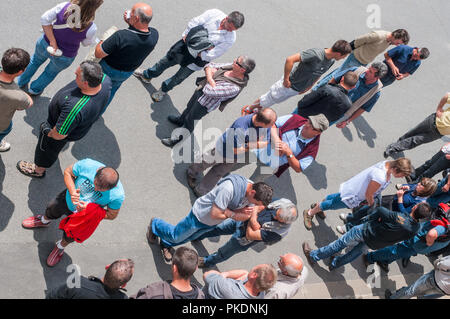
(116, 277)
(184, 264)
(71, 113)
(125, 50)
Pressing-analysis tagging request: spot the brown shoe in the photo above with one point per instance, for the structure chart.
(167, 253)
(307, 220)
(307, 251)
(321, 213)
(151, 237)
(201, 262)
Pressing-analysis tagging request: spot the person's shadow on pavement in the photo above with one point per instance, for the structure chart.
(316, 174)
(364, 131)
(7, 206)
(37, 114)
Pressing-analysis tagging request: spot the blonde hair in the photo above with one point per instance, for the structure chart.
(401, 166)
(267, 277)
(429, 187)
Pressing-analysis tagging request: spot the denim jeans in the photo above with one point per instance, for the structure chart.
(352, 238)
(56, 65)
(425, 285)
(439, 196)
(6, 132)
(332, 201)
(349, 62)
(182, 74)
(117, 78)
(358, 217)
(186, 230)
(231, 247)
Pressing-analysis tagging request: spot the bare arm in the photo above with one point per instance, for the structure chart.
(432, 235)
(442, 102)
(391, 64)
(288, 65)
(371, 189)
(356, 114)
(48, 30)
(55, 135)
(99, 53)
(239, 215)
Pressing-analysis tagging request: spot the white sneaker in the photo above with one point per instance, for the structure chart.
(158, 95)
(341, 229)
(139, 73)
(343, 217)
(4, 146)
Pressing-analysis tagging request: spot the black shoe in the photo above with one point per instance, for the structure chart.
(192, 181)
(175, 120)
(385, 154)
(387, 294)
(384, 266)
(171, 142)
(151, 237)
(330, 266)
(365, 260)
(405, 262)
(307, 251)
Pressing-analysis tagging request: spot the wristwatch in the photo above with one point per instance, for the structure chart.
(290, 156)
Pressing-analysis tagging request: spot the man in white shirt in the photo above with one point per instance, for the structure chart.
(221, 33)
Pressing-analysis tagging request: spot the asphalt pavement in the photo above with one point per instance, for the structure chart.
(128, 138)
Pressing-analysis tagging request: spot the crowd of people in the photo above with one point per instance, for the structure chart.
(413, 221)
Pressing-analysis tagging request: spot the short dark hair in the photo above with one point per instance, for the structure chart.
(422, 211)
(401, 34)
(264, 193)
(424, 53)
(186, 260)
(262, 115)
(15, 60)
(381, 67)
(107, 178)
(143, 18)
(342, 47)
(92, 73)
(119, 273)
(247, 63)
(236, 18)
(350, 78)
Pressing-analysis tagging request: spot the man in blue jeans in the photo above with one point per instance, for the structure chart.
(14, 63)
(234, 197)
(125, 50)
(267, 225)
(383, 228)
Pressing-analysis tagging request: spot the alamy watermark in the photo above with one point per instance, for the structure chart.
(74, 278)
(374, 19)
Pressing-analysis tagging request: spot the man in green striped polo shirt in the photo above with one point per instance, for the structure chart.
(71, 113)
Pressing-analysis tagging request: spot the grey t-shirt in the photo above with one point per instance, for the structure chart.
(312, 65)
(221, 195)
(12, 98)
(218, 287)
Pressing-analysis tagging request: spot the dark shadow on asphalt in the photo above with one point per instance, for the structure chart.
(364, 131)
(324, 235)
(7, 206)
(316, 174)
(99, 144)
(37, 114)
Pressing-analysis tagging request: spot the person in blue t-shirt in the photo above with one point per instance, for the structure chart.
(87, 181)
(232, 148)
(402, 61)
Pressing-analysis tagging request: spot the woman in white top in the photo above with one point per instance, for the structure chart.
(364, 186)
(66, 26)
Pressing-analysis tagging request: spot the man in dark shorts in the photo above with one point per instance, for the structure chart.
(71, 113)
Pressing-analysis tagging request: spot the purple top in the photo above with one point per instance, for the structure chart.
(68, 40)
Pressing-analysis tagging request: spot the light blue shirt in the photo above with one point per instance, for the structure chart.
(84, 172)
(296, 143)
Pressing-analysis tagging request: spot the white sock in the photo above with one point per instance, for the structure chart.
(45, 221)
(58, 244)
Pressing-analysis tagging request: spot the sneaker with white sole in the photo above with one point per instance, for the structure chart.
(4, 146)
(343, 217)
(341, 229)
(139, 73)
(55, 256)
(158, 95)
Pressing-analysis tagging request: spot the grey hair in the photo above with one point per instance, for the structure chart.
(247, 63)
(143, 18)
(381, 68)
(92, 73)
(236, 18)
(288, 210)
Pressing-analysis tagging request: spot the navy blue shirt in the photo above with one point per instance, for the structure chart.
(240, 133)
(265, 216)
(409, 200)
(360, 89)
(401, 56)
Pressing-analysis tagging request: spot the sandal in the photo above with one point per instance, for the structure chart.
(29, 169)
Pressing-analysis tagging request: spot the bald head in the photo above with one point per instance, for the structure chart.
(105, 179)
(266, 117)
(291, 265)
(144, 12)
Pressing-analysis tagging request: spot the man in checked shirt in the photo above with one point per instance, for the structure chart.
(222, 84)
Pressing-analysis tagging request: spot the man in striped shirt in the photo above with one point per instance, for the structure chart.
(71, 113)
(222, 84)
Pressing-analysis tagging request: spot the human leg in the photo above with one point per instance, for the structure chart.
(182, 74)
(433, 166)
(5, 146)
(229, 249)
(423, 286)
(39, 57)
